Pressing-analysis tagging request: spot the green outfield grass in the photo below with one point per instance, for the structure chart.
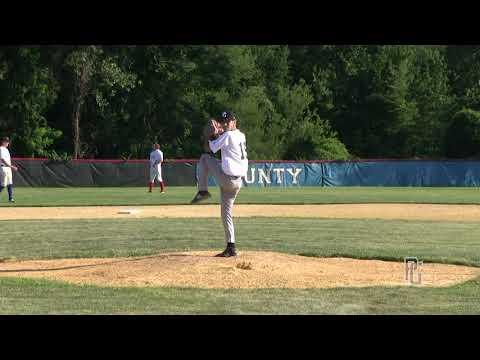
(25, 296)
(448, 242)
(251, 195)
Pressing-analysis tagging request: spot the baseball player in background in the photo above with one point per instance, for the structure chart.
(6, 177)
(156, 159)
(228, 172)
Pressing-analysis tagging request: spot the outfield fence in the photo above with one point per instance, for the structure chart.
(261, 173)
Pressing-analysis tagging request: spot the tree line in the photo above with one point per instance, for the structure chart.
(293, 102)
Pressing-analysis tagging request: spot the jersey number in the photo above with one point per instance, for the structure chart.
(243, 148)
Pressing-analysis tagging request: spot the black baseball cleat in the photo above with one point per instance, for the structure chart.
(229, 251)
(201, 196)
(11, 200)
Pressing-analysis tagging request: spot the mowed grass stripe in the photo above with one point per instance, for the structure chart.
(103, 196)
(26, 296)
(444, 242)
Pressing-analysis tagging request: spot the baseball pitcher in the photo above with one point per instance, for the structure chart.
(156, 159)
(6, 178)
(228, 172)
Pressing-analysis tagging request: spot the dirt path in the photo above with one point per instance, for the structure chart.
(251, 269)
(341, 211)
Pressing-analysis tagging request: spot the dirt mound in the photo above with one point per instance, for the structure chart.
(249, 270)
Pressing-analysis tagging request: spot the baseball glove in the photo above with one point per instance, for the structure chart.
(211, 131)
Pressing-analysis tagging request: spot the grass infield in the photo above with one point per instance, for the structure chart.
(253, 195)
(26, 296)
(447, 242)
(443, 242)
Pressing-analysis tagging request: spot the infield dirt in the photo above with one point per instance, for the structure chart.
(337, 211)
(250, 270)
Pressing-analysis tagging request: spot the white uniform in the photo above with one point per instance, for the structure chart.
(234, 152)
(156, 159)
(228, 173)
(6, 177)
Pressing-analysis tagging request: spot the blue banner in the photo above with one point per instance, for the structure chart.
(280, 174)
(402, 173)
(461, 173)
(363, 173)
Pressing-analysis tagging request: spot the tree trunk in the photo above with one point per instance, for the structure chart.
(76, 128)
(77, 107)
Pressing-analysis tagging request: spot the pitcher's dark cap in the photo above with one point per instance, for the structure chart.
(226, 116)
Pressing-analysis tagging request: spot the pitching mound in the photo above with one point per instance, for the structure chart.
(249, 270)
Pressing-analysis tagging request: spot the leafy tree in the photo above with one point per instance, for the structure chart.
(255, 112)
(28, 88)
(463, 135)
(94, 74)
(82, 63)
(313, 139)
(322, 101)
(394, 81)
(434, 101)
(464, 71)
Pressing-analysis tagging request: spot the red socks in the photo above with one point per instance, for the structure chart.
(151, 185)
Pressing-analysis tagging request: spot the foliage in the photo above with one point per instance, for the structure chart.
(28, 89)
(463, 135)
(297, 102)
(314, 139)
